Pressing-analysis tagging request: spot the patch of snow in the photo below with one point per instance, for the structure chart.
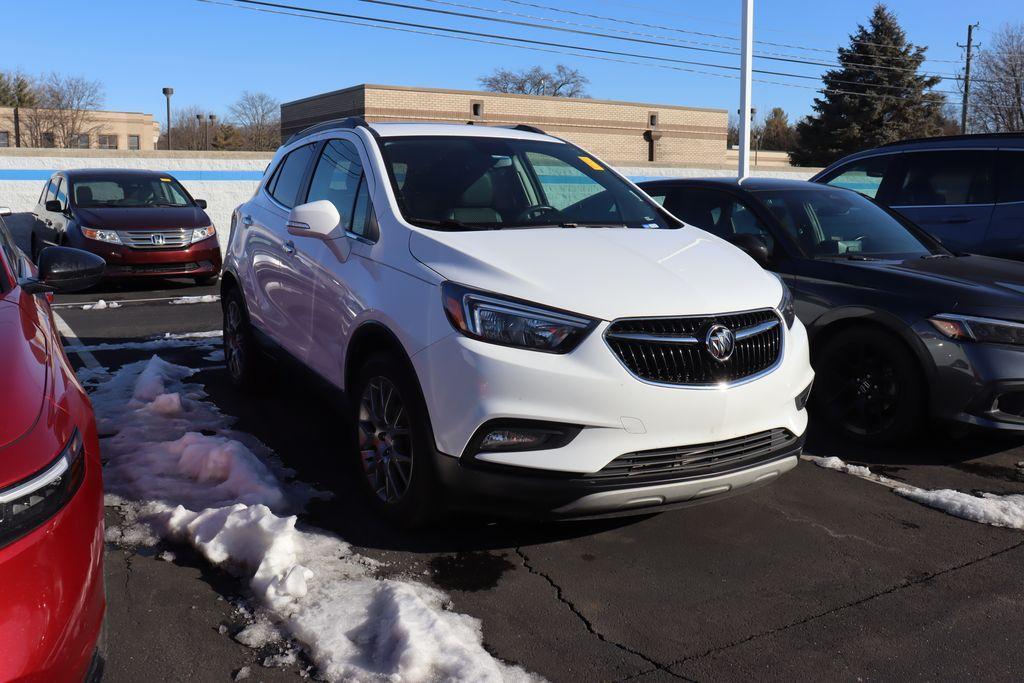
(101, 305)
(243, 673)
(204, 299)
(215, 356)
(168, 341)
(176, 471)
(988, 508)
(167, 556)
(834, 463)
(288, 658)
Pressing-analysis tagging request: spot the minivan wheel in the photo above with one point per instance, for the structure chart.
(241, 351)
(869, 387)
(395, 445)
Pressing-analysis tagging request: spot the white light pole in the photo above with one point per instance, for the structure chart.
(746, 65)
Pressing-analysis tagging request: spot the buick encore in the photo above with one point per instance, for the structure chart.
(517, 327)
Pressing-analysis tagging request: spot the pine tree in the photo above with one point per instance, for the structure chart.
(16, 91)
(875, 97)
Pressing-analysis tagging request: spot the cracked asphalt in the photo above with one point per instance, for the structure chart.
(819, 575)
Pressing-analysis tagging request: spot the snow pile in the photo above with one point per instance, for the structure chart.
(204, 299)
(168, 341)
(987, 508)
(176, 471)
(101, 305)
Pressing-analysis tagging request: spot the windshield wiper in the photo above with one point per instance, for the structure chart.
(592, 225)
(449, 224)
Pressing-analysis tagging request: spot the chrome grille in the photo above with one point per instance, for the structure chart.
(156, 238)
(667, 464)
(673, 350)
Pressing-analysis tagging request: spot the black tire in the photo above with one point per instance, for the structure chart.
(419, 503)
(206, 279)
(869, 386)
(242, 353)
(34, 250)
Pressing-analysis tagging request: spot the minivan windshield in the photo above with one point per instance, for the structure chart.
(466, 183)
(841, 223)
(127, 191)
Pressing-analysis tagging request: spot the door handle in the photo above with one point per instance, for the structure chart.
(289, 247)
(247, 221)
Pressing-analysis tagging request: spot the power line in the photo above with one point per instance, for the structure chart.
(492, 39)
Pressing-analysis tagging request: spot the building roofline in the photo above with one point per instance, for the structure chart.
(487, 93)
(95, 111)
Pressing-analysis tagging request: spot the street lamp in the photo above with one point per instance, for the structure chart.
(167, 93)
(213, 123)
(210, 119)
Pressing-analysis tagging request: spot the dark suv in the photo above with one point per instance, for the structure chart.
(143, 223)
(966, 190)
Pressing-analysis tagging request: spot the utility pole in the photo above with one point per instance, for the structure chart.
(746, 67)
(967, 75)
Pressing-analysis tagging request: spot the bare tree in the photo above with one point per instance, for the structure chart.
(997, 83)
(65, 108)
(187, 130)
(258, 117)
(562, 82)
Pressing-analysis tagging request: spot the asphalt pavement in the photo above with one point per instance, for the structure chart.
(820, 574)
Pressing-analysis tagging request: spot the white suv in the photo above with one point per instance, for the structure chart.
(516, 326)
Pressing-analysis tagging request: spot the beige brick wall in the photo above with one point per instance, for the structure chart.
(614, 131)
(118, 124)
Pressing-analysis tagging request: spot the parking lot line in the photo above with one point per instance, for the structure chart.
(71, 339)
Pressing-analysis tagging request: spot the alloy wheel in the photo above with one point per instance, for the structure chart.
(384, 441)
(861, 390)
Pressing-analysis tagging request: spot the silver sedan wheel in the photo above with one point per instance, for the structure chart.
(384, 443)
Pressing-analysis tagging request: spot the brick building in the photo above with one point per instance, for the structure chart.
(102, 130)
(622, 133)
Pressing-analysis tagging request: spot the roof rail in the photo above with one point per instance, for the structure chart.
(527, 129)
(946, 138)
(350, 122)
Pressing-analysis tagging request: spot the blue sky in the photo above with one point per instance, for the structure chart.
(211, 53)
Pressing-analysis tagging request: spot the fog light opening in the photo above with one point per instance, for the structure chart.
(505, 435)
(803, 397)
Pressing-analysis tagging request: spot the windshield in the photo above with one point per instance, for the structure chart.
(469, 183)
(839, 223)
(128, 191)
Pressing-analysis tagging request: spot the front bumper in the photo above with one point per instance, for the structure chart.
(201, 259)
(467, 383)
(977, 384)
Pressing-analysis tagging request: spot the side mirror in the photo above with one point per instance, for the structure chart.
(201, 203)
(318, 219)
(63, 269)
(54, 206)
(755, 247)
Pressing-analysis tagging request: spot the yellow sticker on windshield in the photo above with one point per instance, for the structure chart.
(165, 180)
(591, 163)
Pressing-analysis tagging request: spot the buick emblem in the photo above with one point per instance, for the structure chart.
(720, 342)
(158, 239)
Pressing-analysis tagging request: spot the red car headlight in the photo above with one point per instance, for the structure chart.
(30, 502)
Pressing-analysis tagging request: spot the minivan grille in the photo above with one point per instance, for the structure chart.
(673, 350)
(698, 460)
(157, 238)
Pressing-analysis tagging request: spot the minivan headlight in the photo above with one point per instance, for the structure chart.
(971, 328)
(102, 235)
(786, 306)
(200, 234)
(492, 318)
(29, 503)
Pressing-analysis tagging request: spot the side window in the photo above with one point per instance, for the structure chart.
(337, 177)
(284, 186)
(1011, 176)
(563, 184)
(945, 178)
(364, 219)
(864, 176)
(9, 254)
(51, 189)
(716, 212)
(62, 194)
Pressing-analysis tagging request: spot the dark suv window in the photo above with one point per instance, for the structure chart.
(1011, 176)
(864, 175)
(717, 212)
(284, 186)
(945, 178)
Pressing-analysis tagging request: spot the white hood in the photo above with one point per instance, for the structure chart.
(605, 273)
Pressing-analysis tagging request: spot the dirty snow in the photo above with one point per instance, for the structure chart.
(101, 305)
(985, 508)
(168, 341)
(178, 472)
(204, 299)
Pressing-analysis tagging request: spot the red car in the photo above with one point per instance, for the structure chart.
(51, 492)
(143, 223)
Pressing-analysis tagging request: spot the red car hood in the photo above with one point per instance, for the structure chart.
(24, 360)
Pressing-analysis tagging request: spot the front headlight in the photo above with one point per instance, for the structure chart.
(200, 234)
(509, 322)
(102, 235)
(29, 503)
(971, 328)
(786, 307)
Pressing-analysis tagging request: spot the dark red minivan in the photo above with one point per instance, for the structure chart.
(143, 223)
